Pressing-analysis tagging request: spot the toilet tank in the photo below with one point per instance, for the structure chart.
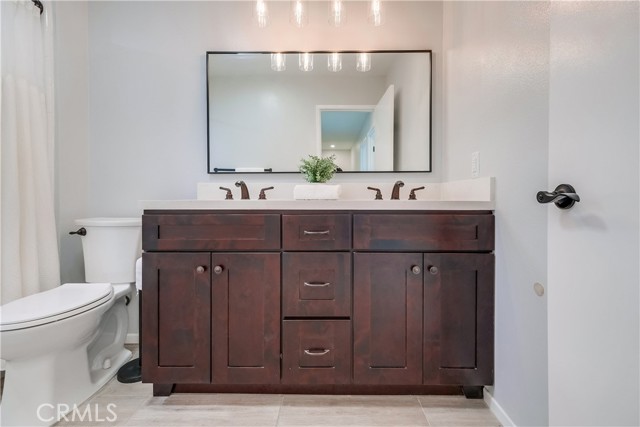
(110, 247)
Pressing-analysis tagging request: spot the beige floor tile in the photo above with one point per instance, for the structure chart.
(116, 388)
(209, 410)
(104, 411)
(315, 410)
(456, 411)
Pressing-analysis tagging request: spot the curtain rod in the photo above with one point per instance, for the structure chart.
(39, 5)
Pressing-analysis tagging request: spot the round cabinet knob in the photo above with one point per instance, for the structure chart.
(433, 269)
(217, 269)
(415, 269)
(200, 269)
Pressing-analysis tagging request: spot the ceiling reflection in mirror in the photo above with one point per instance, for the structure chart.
(266, 112)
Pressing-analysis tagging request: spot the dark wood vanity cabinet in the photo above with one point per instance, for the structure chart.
(348, 301)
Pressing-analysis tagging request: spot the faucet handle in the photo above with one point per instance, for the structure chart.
(262, 195)
(378, 192)
(229, 195)
(412, 194)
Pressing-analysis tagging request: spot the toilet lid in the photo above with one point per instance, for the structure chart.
(56, 304)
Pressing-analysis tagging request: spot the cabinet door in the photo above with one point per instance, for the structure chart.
(246, 318)
(458, 319)
(387, 318)
(177, 317)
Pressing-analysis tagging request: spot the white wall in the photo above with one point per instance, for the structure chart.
(594, 121)
(412, 112)
(496, 85)
(130, 82)
(72, 130)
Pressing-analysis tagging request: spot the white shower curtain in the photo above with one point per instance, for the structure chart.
(29, 260)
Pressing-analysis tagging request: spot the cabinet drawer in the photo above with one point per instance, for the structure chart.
(316, 232)
(316, 284)
(211, 232)
(423, 232)
(316, 351)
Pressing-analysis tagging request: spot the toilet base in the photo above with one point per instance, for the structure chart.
(35, 395)
(39, 390)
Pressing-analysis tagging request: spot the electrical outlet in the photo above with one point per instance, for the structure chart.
(475, 164)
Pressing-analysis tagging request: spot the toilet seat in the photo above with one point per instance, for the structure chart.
(54, 305)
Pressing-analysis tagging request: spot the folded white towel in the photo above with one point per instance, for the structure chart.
(139, 274)
(249, 169)
(317, 192)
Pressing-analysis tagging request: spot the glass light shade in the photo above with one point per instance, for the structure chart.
(299, 15)
(364, 62)
(278, 62)
(261, 13)
(334, 62)
(375, 13)
(337, 12)
(305, 61)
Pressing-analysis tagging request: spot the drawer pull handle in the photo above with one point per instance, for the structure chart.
(317, 284)
(415, 269)
(200, 269)
(217, 269)
(433, 269)
(313, 233)
(314, 352)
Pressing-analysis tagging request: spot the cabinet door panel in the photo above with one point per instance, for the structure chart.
(177, 317)
(458, 319)
(387, 318)
(246, 318)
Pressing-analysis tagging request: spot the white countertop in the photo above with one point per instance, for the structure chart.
(316, 205)
(466, 195)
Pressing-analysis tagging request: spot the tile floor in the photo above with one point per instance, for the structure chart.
(135, 406)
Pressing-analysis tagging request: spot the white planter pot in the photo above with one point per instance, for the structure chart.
(316, 191)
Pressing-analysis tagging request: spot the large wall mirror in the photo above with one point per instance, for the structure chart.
(267, 111)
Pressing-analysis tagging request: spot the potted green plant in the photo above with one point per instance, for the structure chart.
(317, 171)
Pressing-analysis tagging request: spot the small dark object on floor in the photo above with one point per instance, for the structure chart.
(130, 372)
(473, 392)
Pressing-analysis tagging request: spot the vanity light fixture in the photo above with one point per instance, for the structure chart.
(305, 61)
(364, 62)
(375, 13)
(261, 13)
(299, 16)
(337, 12)
(278, 62)
(334, 62)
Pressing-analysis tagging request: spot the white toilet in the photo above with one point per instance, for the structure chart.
(61, 346)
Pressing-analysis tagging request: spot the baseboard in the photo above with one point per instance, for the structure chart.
(497, 410)
(132, 338)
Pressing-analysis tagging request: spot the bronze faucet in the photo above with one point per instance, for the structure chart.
(395, 193)
(244, 191)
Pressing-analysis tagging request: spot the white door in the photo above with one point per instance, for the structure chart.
(593, 248)
(382, 126)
